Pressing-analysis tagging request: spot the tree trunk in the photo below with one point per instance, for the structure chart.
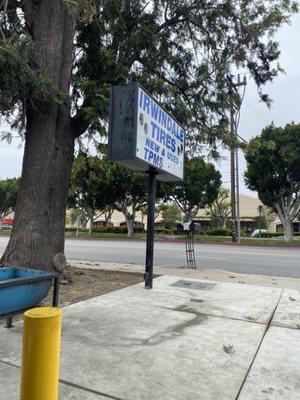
(286, 220)
(130, 227)
(77, 225)
(91, 225)
(39, 226)
(190, 217)
(108, 216)
(287, 229)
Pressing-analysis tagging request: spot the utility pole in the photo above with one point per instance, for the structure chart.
(234, 169)
(237, 211)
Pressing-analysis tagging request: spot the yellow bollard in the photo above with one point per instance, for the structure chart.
(41, 354)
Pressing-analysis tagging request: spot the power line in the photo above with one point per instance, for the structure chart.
(258, 113)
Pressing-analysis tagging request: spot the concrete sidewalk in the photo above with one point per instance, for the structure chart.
(187, 339)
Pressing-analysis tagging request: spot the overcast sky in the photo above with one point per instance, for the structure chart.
(285, 91)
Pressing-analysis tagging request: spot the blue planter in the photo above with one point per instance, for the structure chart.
(22, 288)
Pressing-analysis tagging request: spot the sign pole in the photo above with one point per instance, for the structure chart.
(150, 227)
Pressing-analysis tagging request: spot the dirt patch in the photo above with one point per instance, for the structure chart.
(89, 283)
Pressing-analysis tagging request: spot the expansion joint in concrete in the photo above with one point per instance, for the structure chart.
(259, 346)
(88, 390)
(73, 385)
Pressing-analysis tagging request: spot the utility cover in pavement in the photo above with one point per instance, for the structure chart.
(193, 285)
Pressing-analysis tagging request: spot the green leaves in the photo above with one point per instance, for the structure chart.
(8, 195)
(199, 189)
(18, 83)
(181, 51)
(91, 186)
(273, 164)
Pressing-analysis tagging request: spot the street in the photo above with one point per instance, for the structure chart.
(242, 259)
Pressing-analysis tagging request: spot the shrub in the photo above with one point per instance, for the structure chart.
(163, 231)
(218, 232)
(6, 228)
(269, 235)
(138, 229)
(74, 229)
(116, 229)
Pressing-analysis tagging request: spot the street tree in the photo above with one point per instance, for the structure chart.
(92, 191)
(220, 209)
(199, 189)
(132, 193)
(58, 59)
(171, 215)
(8, 197)
(273, 170)
(160, 205)
(265, 218)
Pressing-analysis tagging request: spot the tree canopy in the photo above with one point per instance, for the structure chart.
(132, 193)
(220, 209)
(199, 188)
(273, 170)
(171, 215)
(92, 190)
(181, 51)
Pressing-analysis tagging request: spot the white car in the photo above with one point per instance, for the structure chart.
(255, 233)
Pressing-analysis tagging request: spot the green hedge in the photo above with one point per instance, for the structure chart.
(274, 235)
(269, 235)
(74, 229)
(218, 232)
(110, 229)
(116, 229)
(106, 229)
(162, 231)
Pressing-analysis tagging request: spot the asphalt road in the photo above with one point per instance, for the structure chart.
(275, 261)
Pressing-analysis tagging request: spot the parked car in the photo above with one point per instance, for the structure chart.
(255, 233)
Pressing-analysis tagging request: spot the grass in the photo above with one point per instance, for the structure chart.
(198, 238)
(5, 232)
(201, 238)
(246, 240)
(107, 235)
(267, 242)
(214, 239)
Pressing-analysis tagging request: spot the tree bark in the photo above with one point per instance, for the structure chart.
(130, 227)
(107, 215)
(284, 214)
(91, 225)
(77, 225)
(287, 229)
(39, 226)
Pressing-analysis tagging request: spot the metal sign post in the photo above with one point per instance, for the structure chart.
(150, 228)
